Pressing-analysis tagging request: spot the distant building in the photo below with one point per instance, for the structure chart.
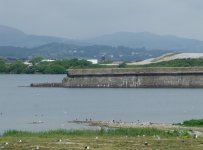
(28, 63)
(48, 60)
(93, 61)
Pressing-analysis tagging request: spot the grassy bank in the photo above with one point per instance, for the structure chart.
(104, 139)
(101, 132)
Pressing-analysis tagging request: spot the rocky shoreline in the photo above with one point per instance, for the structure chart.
(193, 131)
(121, 124)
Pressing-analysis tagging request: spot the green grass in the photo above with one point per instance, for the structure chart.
(101, 132)
(104, 139)
(193, 123)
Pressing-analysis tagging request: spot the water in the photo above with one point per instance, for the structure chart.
(20, 106)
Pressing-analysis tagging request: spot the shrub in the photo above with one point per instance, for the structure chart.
(193, 122)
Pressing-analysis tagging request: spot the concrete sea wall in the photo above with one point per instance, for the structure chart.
(135, 78)
(46, 85)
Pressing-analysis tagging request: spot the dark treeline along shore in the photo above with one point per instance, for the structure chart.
(37, 66)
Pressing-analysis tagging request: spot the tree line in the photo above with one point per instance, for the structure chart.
(44, 67)
(60, 66)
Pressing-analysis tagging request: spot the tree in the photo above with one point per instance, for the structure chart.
(122, 65)
(54, 69)
(2, 66)
(17, 67)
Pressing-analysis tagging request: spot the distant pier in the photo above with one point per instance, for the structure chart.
(155, 77)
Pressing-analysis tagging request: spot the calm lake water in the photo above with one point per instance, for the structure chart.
(20, 106)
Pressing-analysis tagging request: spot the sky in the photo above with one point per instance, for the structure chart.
(90, 18)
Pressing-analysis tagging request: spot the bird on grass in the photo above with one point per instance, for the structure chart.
(36, 148)
(20, 141)
(145, 143)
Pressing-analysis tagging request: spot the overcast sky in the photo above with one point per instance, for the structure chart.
(88, 18)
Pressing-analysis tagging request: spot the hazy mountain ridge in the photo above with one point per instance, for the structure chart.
(150, 41)
(14, 37)
(67, 51)
(118, 46)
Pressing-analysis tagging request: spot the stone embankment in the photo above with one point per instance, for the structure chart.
(187, 77)
(168, 77)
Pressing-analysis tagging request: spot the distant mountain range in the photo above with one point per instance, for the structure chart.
(117, 46)
(67, 51)
(149, 41)
(14, 37)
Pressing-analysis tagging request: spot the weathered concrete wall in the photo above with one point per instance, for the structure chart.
(134, 71)
(135, 81)
(132, 78)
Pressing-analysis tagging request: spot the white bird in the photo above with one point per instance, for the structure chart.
(20, 141)
(60, 140)
(158, 137)
(87, 147)
(36, 148)
(195, 136)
